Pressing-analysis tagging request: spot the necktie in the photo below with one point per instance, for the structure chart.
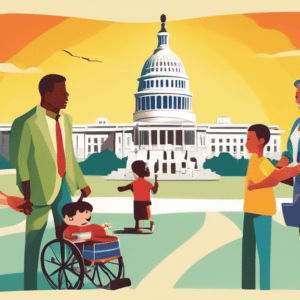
(61, 159)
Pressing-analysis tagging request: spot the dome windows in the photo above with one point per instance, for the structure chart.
(162, 83)
(158, 102)
(170, 102)
(163, 102)
(152, 102)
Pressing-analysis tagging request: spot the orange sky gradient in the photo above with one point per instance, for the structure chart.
(219, 54)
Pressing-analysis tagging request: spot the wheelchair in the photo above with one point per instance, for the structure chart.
(65, 267)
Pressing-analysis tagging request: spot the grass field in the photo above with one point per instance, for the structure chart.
(141, 253)
(225, 188)
(221, 269)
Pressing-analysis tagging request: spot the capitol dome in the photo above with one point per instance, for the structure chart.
(163, 93)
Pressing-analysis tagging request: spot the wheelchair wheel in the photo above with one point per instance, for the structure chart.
(103, 274)
(62, 265)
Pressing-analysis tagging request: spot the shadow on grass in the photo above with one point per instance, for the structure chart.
(15, 282)
(132, 231)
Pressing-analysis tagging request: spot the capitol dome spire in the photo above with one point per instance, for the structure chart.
(164, 91)
(163, 36)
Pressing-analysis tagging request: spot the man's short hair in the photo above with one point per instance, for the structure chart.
(138, 167)
(70, 209)
(262, 131)
(47, 83)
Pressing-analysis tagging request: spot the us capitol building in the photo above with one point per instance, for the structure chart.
(164, 132)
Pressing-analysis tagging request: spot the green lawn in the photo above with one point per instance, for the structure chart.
(221, 269)
(141, 253)
(225, 188)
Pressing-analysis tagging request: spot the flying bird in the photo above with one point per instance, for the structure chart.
(85, 58)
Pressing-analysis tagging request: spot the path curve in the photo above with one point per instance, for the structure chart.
(216, 232)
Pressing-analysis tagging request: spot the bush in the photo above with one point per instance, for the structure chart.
(102, 163)
(4, 163)
(226, 165)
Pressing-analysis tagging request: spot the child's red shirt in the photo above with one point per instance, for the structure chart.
(141, 189)
(96, 230)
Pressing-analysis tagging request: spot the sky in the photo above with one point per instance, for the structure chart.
(240, 65)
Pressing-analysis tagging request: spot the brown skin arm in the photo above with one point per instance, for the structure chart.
(27, 206)
(275, 177)
(125, 188)
(86, 191)
(284, 161)
(155, 188)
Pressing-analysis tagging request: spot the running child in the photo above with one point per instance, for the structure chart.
(141, 191)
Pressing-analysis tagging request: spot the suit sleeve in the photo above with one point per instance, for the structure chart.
(81, 183)
(20, 141)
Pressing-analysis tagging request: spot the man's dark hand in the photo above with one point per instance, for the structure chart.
(26, 207)
(86, 191)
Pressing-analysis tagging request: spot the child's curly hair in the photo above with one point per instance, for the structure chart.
(70, 209)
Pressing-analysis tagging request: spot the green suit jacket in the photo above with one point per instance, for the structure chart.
(33, 155)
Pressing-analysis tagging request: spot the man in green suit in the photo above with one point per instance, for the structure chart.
(41, 150)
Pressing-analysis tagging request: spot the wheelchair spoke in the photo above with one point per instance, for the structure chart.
(60, 279)
(107, 271)
(73, 272)
(62, 252)
(55, 255)
(52, 262)
(70, 257)
(68, 283)
(98, 275)
(58, 270)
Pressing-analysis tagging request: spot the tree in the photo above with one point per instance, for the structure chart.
(102, 163)
(226, 165)
(4, 163)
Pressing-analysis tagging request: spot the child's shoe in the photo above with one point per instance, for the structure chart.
(151, 226)
(138, 230)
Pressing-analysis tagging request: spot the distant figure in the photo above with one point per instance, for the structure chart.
(141, 191)
(41, 150)
(259, 207)
(16, 203)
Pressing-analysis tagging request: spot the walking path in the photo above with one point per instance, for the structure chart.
(216, 232)
(124, 205)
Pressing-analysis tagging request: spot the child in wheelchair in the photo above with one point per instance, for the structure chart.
(84, 245)
(93, 240)
(77, 216)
